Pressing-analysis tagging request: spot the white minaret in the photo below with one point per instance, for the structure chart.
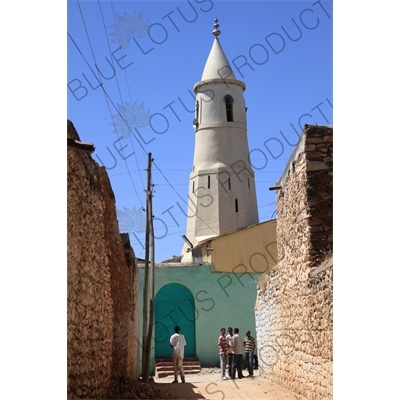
(222, 193)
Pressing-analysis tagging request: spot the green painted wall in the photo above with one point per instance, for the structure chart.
(220, 300)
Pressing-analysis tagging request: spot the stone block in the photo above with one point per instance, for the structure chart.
(314, 140)
(310, 147)
(316, 166)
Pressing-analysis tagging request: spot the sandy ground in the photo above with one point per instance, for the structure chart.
(209, 385)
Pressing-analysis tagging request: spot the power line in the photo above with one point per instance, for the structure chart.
(107, 97)
(101, 84)
(124, 118)
(116, 77)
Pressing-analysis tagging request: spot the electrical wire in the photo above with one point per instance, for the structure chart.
(119, 89)
(107, 97)
(109, 100)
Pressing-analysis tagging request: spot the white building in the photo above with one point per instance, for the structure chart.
(222, 193)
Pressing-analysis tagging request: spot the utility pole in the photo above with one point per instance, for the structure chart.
(152, 273)
(146, 339)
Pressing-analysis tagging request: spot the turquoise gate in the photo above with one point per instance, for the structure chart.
(174, 305)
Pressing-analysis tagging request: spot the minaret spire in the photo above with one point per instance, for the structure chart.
(222, 189)
(216, 31)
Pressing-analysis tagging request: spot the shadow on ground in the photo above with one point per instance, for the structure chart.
(181, 390)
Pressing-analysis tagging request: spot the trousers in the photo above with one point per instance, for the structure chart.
(237, 365)
(222, 361)
(178, 368)
(249, 362)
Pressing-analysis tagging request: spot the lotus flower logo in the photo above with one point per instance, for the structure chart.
(130, 115)
(131, 220)
(129, 26)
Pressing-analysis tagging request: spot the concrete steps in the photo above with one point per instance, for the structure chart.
(164, 366)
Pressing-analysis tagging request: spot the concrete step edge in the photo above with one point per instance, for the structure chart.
(164, 364)
(166, 373)
(185, 369)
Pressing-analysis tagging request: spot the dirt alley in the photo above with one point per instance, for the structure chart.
(209, 385)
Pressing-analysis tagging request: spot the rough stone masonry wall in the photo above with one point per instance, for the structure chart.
(102, 284)
(294, 318)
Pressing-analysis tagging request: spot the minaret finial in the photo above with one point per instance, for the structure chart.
(216, 31)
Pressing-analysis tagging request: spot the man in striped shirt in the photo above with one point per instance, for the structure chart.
(249, 344)
(223, 352)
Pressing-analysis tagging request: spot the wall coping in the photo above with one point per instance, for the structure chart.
(298, 150)
(177, 265)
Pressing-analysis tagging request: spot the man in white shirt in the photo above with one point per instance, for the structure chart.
(178, 344)
(230, 354)
(237, 350)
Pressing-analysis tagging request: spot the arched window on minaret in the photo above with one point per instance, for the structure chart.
(229, 107)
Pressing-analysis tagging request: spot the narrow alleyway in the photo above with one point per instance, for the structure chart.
(208, 385)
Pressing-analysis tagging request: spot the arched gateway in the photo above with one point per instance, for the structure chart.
(174, 305)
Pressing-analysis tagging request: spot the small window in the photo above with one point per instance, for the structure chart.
(236, 205)
(193, 187)
(209, 181)
(196, 118)
(229, 183)
(229, 107)
(248, 183)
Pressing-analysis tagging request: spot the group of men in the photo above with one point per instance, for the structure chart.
(231, 353)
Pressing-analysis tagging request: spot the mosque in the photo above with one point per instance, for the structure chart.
(213, 283)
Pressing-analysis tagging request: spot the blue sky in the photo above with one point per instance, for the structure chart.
(148, 57)
(39, 59)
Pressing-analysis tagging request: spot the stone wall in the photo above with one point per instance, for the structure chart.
(294, 320)
(102, 284)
